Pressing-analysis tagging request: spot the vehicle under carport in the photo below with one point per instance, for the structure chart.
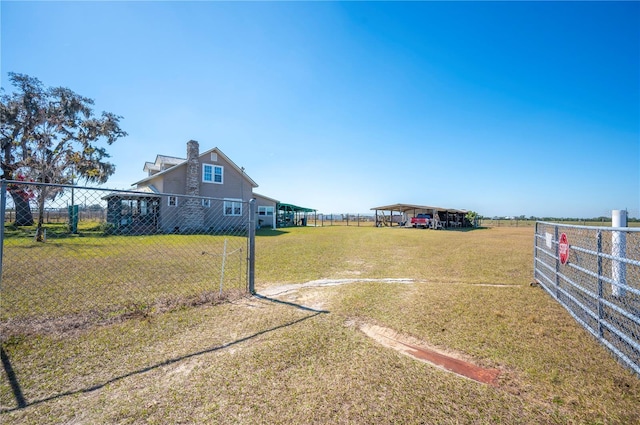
(443, 218)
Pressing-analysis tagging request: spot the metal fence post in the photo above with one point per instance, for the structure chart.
(535, 247)
(3, 209)
(599, 271)
(618, 250)
(252, 247)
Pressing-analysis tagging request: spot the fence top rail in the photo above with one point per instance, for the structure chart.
(579, 226)
(4, 182)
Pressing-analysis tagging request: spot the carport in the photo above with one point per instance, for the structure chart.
(443, 218)
(292, 215)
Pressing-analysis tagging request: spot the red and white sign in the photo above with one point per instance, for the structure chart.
(563, 249)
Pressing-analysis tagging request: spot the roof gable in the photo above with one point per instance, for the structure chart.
(162, 162)
(171, 163)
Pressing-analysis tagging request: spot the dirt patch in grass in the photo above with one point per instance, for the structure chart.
(446, 360)
(449, 361)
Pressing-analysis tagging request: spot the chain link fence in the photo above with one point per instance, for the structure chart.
(73, 257)
(344, 219)
(594, 272)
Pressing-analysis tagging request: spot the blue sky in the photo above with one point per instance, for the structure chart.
(505, 108)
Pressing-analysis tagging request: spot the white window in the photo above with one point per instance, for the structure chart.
(212, 173)
(173, 201)
(206, 203)
(232, 207)
(265, 210)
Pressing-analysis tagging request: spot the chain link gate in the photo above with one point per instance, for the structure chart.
(594, 272)
(74, 257)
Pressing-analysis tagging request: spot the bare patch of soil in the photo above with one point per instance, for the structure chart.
(451, 362)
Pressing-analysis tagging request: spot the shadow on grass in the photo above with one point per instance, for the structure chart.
(22, 403)
(301, 307)
(13, 381)
(269, 232)
(466, 229)
(452, 229)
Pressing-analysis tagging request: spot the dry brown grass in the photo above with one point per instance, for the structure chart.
(268, 360)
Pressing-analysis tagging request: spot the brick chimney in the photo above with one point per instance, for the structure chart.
(192, 211)
(193, 169)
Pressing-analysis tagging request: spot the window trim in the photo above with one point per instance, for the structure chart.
(213, 173)
(264, 210)
(233, 202)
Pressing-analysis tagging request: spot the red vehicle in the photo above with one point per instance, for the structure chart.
(421, 220)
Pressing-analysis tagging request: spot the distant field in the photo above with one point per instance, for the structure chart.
(364, 221)
(296, 354)
(525, 223)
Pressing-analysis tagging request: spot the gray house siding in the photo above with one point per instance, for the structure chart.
(189, 214)
(266, 211)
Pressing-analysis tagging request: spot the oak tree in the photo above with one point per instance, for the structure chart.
(51, 135)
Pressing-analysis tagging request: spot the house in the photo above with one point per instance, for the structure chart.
(206, 191)
(266, 209)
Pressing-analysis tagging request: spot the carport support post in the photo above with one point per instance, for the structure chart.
(618, 250)
(251, 261)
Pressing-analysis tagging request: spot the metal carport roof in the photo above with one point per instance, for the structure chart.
(294, 208)
(408, 207)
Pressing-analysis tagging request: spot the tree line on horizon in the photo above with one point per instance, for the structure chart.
(603, 219)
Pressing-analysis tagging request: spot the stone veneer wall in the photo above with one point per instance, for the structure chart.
(192, 213)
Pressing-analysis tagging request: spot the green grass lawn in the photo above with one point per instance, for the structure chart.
(274, 360)
(75, 275)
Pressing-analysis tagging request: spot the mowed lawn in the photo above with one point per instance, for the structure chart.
(296, 355)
